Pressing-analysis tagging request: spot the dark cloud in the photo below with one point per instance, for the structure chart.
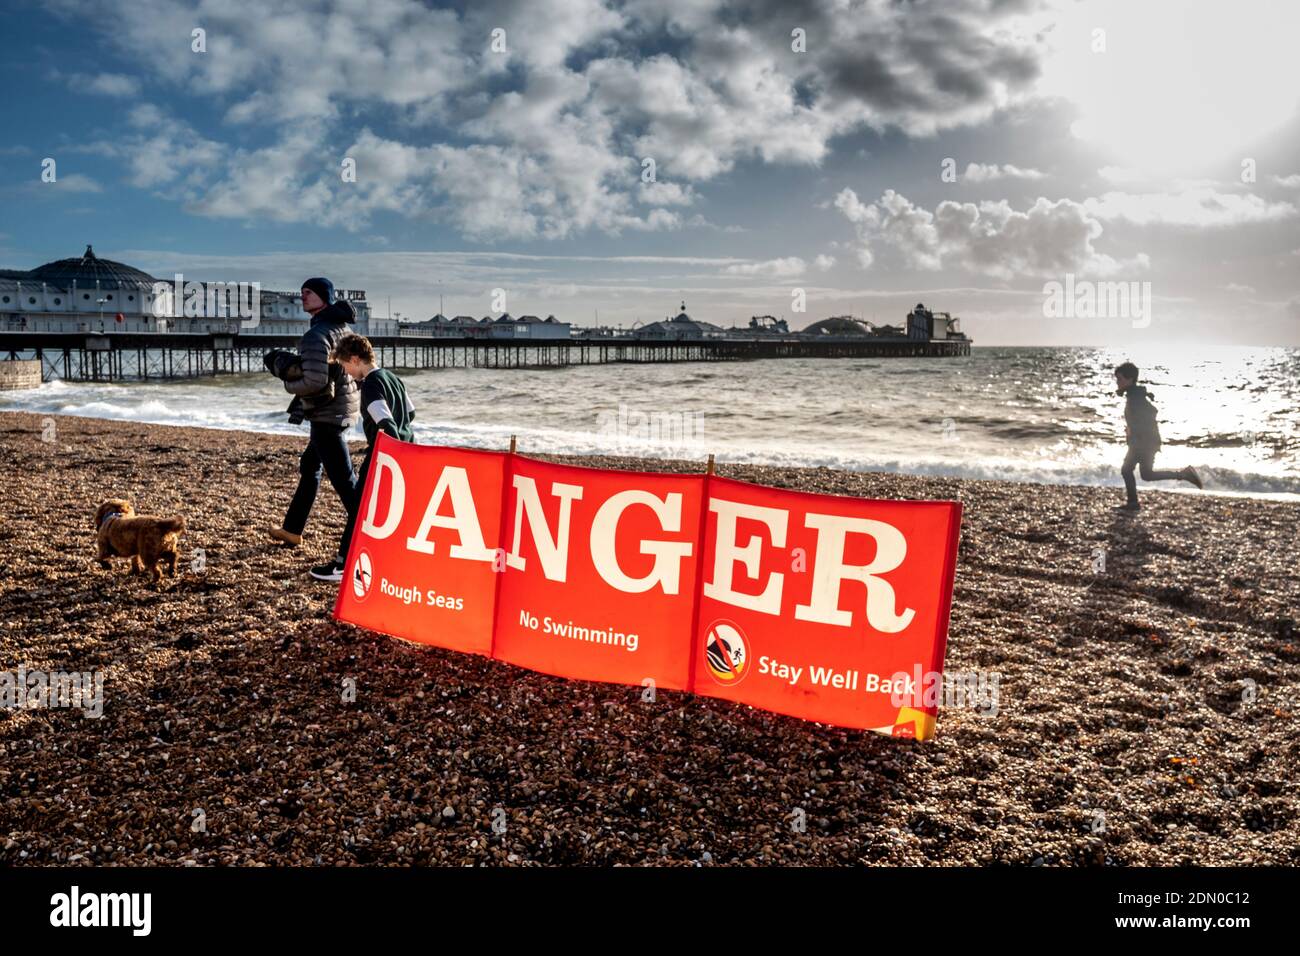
(554, 123)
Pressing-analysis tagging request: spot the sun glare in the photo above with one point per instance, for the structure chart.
(1176, 88)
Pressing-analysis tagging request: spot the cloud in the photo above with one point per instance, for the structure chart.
(75, 183)
(696, 128)
(1290, 182)
(1202, 206)
(698, 221)
(775, 268)
(101, 84)
(560, 120)
(918, 68)
(982, 173)
(1239, 289)
(487, 192)
(163, 153)
(1121, 174)
(866, 218)
(1048, 238)
(665, 194)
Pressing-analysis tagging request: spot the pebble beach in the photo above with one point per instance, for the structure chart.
(1149, 694)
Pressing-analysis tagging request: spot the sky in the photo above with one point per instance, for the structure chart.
(605, 161)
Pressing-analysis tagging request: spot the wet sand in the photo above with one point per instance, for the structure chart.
(1147, 713)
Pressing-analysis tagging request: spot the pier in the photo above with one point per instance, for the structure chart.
(147, 356)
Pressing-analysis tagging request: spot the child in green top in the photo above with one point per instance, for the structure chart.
(384, 407)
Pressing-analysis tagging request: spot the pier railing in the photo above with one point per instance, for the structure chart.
(121, 356)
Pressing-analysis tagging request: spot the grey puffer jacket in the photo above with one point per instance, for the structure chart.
(325, 393)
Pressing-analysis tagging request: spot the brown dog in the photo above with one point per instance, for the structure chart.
(145, 539)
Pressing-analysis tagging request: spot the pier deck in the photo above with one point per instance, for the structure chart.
(120, 356)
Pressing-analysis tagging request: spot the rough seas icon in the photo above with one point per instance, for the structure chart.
(727, 652)
(362, 575)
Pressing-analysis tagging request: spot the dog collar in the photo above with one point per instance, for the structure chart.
(109, 517)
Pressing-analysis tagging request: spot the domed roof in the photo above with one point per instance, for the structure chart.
(88, 269)
(839, 325)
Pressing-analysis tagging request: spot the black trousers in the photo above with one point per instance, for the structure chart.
(1144, 460)
(327, 451)
(355, 509)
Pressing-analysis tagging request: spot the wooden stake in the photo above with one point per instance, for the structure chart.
(709, 468)
(512, 444)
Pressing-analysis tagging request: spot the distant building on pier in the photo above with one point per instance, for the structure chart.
(839, 325)
(680, 327)
(90, 294)
(530, 327)
(761, 325)
(924, 325)
(504, 326)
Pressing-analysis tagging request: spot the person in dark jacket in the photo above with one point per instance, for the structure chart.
(1143, 434)
(326, 398)
(384, 408)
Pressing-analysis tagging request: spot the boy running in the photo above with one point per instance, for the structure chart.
(1143, 434)
(384, 407)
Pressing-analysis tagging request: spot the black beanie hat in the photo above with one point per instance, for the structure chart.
(322, 287)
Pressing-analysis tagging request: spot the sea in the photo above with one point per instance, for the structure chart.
(1017, 414)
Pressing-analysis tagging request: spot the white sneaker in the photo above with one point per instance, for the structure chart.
(330, 571)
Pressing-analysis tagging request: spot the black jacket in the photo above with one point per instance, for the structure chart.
(1140, 416)
(325, 393)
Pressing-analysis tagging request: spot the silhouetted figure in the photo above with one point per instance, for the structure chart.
(1143, 435)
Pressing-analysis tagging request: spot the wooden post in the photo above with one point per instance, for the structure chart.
(513, 442)
(708, 470)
